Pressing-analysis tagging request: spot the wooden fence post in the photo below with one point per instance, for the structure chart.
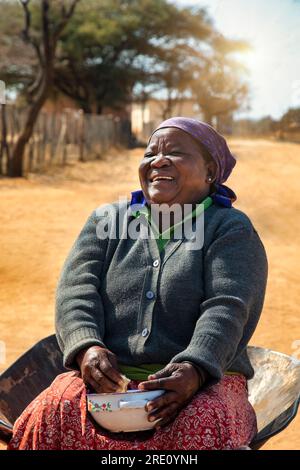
(82, 136)
(52, 137)
(4, 147)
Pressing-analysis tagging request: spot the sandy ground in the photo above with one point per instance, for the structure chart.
(41, 216)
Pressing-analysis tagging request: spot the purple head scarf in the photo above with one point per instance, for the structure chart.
(210, 139)
(216, 145)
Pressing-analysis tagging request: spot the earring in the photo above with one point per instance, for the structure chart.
(209, 179)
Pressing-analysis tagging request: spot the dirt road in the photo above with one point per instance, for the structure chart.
(41, 216)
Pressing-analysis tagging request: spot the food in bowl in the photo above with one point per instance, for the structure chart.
(123, 387)
(122, 412)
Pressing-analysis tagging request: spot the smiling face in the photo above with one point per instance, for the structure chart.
(173, 169)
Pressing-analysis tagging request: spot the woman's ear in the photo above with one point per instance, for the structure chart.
(211, 172)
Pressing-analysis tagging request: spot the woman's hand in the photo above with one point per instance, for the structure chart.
(181, 381)
(99, 369)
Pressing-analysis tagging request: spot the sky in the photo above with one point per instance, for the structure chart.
(272, 27)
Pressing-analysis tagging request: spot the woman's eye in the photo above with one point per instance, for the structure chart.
(169, 154)
(176, 153)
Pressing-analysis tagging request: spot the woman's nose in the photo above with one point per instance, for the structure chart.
(160, 161)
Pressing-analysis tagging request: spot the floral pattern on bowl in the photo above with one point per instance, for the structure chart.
(95, 407)
(122, 412)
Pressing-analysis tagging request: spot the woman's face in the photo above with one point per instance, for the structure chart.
(173, 169)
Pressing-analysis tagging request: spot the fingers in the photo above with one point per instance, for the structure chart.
(165, 414)
(96, 358)
(165, 372)
(160, 378)
(103, 382)
(166, 383)
(110, 372)
(163, 400)
(95, 386)
(164, 422)
(93, 374)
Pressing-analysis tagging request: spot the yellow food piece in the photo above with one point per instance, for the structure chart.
(123, 387)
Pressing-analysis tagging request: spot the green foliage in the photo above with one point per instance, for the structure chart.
(16, 59)
(113, 51)
(118, 44)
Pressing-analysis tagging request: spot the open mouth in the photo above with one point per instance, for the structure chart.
(161, 178)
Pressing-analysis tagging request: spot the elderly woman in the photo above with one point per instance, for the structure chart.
(167, 314)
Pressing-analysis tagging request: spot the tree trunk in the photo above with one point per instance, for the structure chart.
(16, 164)
(50, 36)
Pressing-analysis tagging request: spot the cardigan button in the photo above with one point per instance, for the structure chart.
(145, 332)
(149, 294)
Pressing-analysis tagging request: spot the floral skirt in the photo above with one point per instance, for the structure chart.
(218, 417)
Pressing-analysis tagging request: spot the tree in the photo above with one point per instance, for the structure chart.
(178, 58)
(53, 19)
(290, 119)
(217, 86)
(18, 63)
(113, 52)
(176, 76)
(115, 48)
(111, 48)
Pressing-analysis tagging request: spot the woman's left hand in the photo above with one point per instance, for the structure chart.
(181, 381)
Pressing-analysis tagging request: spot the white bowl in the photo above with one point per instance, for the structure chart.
(122, 412)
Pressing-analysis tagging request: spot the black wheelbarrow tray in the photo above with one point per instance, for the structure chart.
(274, 391)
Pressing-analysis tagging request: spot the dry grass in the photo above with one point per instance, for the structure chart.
(42, 215)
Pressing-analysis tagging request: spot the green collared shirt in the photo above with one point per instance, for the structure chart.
(163, 237)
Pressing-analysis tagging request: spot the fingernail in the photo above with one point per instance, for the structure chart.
(152, 418)
(150, 407)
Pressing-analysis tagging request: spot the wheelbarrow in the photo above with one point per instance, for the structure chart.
(274, 392)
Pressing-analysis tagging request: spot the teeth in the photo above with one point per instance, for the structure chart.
(156, 178)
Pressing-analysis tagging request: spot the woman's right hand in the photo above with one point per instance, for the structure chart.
(99, 369)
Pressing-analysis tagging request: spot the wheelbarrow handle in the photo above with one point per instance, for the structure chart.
(6, 431)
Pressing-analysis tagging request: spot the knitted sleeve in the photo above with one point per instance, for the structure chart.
(235, 275)
(79, 310)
